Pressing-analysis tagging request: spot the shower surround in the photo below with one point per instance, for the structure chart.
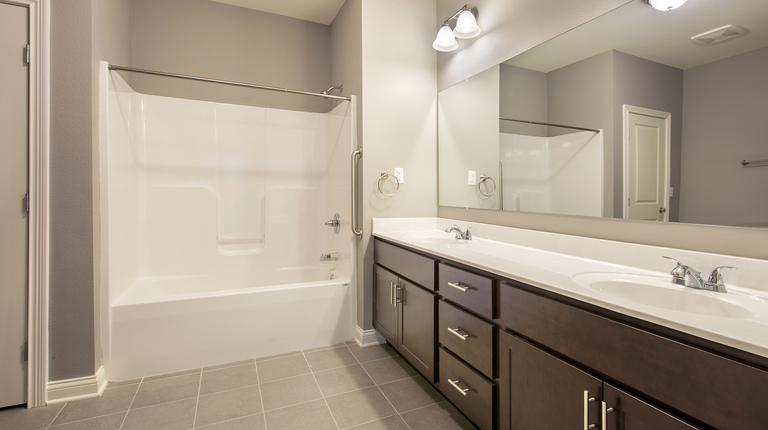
(212, 228)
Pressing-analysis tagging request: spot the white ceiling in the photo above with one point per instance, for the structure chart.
(320, 11)
(664, 37)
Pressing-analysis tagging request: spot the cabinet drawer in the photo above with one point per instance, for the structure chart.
(417, 268)
(469, 391)
(467, 289)
(467, 336)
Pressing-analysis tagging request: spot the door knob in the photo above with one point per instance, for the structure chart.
(662, 210)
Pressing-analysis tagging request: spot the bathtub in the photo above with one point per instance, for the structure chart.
(164, 325)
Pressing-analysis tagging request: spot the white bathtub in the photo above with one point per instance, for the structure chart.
(173, 324)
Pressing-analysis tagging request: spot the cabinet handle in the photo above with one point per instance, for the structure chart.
(606, 411)
(391, 293)
(587, 401)
(458, 286)
(455, 384)
(456, 332)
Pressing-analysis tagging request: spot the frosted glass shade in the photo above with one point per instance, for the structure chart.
(666, 4)
(466, 26)
(445, 41)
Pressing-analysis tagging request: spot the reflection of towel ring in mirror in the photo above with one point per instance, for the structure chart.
(484, 178)
(384, 176)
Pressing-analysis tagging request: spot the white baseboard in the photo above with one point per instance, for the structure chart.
(69, 390)
(368, 337)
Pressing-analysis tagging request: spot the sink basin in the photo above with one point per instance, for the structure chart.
(660, 292)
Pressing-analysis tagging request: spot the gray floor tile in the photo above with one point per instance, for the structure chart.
(225, 365)
(113, 400)
(373, 352)
(228, 405)
(343, 380)
(21, 418)
(388, 369)
(172, 375)
(281, 368)
(252, 422)
(306, 416)
(228, 378)
(441, 416)
(322, 348)
(330, 358)
(411, 393)
(359, 407)
(167, 416)
(288, 392)
(123, 383)
(107, 422)
(167, 390)
(391, 423)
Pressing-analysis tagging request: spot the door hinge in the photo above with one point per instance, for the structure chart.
(26, 351)
(26, 202)
(27, 53)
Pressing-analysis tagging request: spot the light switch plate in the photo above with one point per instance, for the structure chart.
(471, 177)
(399, 174)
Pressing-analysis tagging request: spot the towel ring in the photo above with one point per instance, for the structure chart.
(484, 178)
(384, 176)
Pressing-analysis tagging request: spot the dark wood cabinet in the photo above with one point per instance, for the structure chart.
(624, 411)
(385, 315)
(416, 340)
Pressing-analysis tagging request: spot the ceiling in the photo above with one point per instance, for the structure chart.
(664, 37)
(319, 11)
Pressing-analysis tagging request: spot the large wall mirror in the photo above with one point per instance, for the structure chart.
(626, 116)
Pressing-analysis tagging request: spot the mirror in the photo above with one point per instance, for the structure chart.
(624, 116)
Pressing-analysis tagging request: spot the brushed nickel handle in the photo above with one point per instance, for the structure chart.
(456, 332)
(398, 298)
(391, 293)
(604, 419)
(587, 401)
(458, 286)
(455, 384)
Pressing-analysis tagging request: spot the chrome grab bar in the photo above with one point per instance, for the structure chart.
(357, 154)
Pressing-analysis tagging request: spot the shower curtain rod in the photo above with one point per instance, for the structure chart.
(551, 125)
(218, 81)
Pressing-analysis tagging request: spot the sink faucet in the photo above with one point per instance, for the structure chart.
(687, 276)
(463, 235)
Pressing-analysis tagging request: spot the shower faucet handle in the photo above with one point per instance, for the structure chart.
(333, 256)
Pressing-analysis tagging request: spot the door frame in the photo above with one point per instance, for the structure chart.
(38, 236)
(667, 117)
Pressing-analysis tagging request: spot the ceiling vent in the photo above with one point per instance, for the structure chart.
(719, 35)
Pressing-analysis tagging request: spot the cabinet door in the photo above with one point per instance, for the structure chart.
(417, 328)
(385, 318)
(539, 391)
(631, 413)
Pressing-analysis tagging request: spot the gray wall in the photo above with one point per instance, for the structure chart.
(523, 96)
(216, 40)
(715, 189)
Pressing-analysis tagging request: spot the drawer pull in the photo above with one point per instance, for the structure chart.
(455, 384)
(391, 293)
(587, 401)
(458, 286)
(456, 332)
(606, 411)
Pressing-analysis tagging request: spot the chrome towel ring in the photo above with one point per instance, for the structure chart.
(384, 176)
(484, 178)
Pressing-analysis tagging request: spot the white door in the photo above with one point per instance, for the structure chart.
(14, 150)
(646, 164)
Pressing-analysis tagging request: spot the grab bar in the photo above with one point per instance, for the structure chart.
(754, 163)
(357, 154)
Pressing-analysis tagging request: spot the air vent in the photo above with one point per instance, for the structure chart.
(719, 35)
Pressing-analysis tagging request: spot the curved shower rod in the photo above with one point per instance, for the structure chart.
(218, 81)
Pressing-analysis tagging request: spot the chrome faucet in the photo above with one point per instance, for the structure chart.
(687, 276)
(463, 235)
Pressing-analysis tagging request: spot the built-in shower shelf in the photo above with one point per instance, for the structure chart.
(239, 238)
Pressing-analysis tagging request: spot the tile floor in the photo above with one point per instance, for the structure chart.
(338, 387)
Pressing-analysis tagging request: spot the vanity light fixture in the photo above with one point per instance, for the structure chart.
(666, 5)
(466, 28)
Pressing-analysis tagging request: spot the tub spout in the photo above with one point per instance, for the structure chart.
(333, 256)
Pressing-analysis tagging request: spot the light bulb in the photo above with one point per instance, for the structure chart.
(466, 26)
(666, 5)
(445, 41)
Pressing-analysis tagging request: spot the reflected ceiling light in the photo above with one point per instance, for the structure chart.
(466, 28)
(666, 5)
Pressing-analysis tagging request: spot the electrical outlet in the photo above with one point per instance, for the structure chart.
(671, 191)
(471, 177)
(399, 174)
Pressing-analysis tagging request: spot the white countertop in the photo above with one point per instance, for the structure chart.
(566, 264)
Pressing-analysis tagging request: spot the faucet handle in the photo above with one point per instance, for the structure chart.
(678, 273)
(716, 278)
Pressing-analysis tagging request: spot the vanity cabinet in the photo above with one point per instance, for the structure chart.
(404, 312)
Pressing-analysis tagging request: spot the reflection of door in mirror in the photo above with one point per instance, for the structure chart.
(646, 164)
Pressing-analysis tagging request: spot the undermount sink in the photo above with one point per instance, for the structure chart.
(660, 292)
